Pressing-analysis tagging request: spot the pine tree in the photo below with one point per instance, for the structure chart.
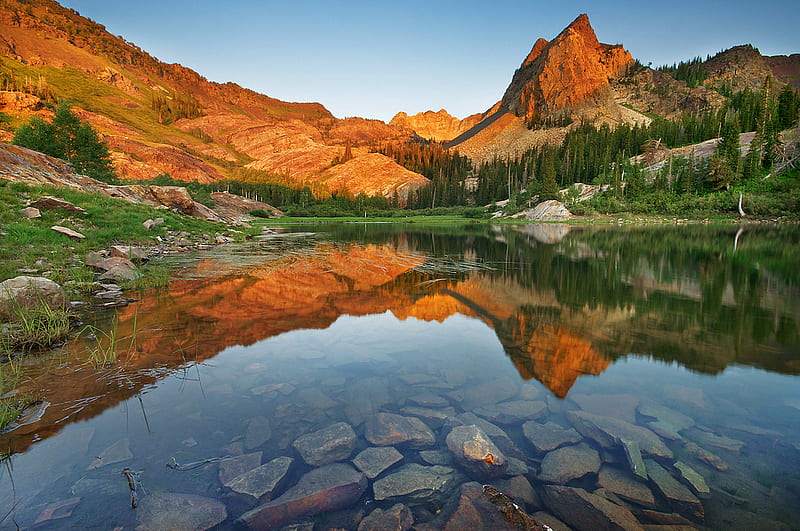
(725, 165)
(549, 188)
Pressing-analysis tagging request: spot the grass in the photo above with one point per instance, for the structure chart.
(13, 405)
(288, 220)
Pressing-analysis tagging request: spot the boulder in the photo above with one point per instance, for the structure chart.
(328, 445)
(157, 512)
(678, 496)
(47, 202)
(693, 479)
(388, 429)
(373, 461)
(25, 293)
(234, 467)
(482, 508)
(123, 272)
(415, 484)
(583, 510)
(257, 433)
(625, 486)
(475, 452)
(549, 436)
(551, 210)
(398, 518)
(512, 412)
(520, 490)
(608, 432)
(264, 481)
(328, 488)
(622, 406)
(30, 213)
(568, 463)
(136, 254)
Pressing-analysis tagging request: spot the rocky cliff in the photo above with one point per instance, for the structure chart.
(439, 125)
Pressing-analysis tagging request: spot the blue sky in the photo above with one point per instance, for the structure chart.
(375, 58)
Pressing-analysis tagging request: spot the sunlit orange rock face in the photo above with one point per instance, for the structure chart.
(439, 125)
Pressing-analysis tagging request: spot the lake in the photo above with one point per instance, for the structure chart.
(357, 374)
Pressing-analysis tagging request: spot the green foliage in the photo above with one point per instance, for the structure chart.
(692, 72)
(68, 138)
(788, 108)
(259, 213)
(170, 108)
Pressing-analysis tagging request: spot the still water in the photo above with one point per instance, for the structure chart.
(330, 368)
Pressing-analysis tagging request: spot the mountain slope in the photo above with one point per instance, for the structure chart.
(165, 118)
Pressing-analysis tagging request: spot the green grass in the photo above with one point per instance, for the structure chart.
(288, 220)
(13, 405)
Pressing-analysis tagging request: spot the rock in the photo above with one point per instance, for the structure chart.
(583, 510)
(262, 482)
(626, 487)
(68, 232)
(498, 436)
(328, 488)
(549, 436)
(489, 393)
(516, 467)
(388, 429)
(633, 456)
(373, 461)
(428, 399)
(120, 273)
(520, 490)
(551, 210)
(512, 412)
(705, 456)
(47, 202)
(398, 518)
(608, 433)
(678, 496)
(475, 452)
(678, 421)
(415, 484)
(550, 521)
(159, 512)
(257, 433)
(432, 417)
(30, 415)
(328, 445)
(569, 462)
(149, 224)
(26, 293)
(98, 261)
(484, 508)
(617, 406)
(56, 511)
(437, 457)
(664, 430)
(136, 254)
(718, 441)
(693, 479)
(365, 399)
(30, 213)
(233, 467)
(665, 518)
(116, 453)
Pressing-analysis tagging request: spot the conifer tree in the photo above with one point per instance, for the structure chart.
(549, 189)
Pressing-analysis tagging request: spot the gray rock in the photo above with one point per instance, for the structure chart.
(366, 399)
(30, 213)
(24, 293)
(608, 433)
(158, 512)
(496, 433)
(328, 488)
(432, 417)
(512, 412)
(30, 415)
(120, 273)
(257, 433)
(621, 406)
(136, 254)
(437, 457)
(328, 445)
(388, 429)
(47, 202)
(633, 456)
(568, 463)
(705, 456)
(66, 231)
(262, 482)
(678, 496)
(664, 430)
(373, 461)
(692, 478)
(490, 393)
(520, 490)
(398, 518)
(475, 452)
(718, 441)
(677, 420)
(415, 484)
(549, 436)
(428, 399)
(583, 510)
(234, 467)
(116, 453)
(625, 486)
(550, 210)
(516, 467)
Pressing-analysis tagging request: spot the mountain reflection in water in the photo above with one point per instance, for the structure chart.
(562, 303)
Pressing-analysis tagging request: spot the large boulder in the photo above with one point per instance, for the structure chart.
(388, 429)
(475, 452)
(551, 210)
(179, 511)
(328, 445)
(568, 463)
(25, 293)
(415, 484)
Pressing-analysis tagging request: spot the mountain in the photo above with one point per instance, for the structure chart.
(165, 118)
(439, 125)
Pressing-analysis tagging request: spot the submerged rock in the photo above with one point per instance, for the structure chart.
(584, 510)
(233, 467)
(677, 420)
(264, 481)
(568, 463)
(475, 452)
(520, 490)
(482, 508)
(512, 412)
(633, 457)
(678, 496)
(398, 518)
(549, 436)
(608, 432)
(373, 461)
(116, 453)
(257, 433)
(328, 488)
(621, 406)
(328, 445)
(415, 484)
(705, 456)
(625, 486)
(158, 512)
(388, 429)
(693, 479)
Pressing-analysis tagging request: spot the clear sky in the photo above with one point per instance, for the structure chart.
(375, 58)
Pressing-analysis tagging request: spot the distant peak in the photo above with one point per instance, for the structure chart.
(582, 27)
(536, 51)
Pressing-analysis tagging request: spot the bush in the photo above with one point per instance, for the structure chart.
(259, 213)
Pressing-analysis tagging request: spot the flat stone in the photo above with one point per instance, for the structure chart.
(120, 273)
(432, 417)
(475, 452)
(718, 441)
(373, 461)
(158, 512)
(328, 488)
(48, 202)
(328, 445)
(388, 429)
(550, 521)
(678, 496)
(428, 399)
(30, 213)
(415, 484)
(31, 414)
(66, 231)
(98, 261)
(316, 399)
(437, 457)
(520, 490)
(136, 254)
(366, 399)
(397, 518)
(633, 456)
(264, 481)
(664, 430)
(692, 478)
(233, 467)
(257, 433)
(665, 518)
(569, 462)
(489, 393)
(57, 511)
(516, 467)
(116, 453)
(625, 486)
(484, 508)
(621, 406)
(584, 510)
(512, 412)
(549, 436)
(678, 420)
(608, 432)
(703, 455)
